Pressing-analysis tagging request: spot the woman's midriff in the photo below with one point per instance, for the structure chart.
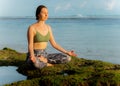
(41, 45)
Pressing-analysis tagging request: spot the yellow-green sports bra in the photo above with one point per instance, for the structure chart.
(40, 38)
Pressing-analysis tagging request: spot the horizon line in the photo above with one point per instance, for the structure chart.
(71, 16)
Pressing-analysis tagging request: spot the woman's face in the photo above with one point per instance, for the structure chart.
(43, 15)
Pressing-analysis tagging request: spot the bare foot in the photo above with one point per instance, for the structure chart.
(48, 64)
(43, 59)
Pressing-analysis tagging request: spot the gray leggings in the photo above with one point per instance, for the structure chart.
(55, 58)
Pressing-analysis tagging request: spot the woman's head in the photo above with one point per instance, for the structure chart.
(41, 13)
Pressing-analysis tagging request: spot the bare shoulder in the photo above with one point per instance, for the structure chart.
(49, 27)
(31, 27)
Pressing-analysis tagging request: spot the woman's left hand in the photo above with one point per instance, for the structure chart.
(71, 53)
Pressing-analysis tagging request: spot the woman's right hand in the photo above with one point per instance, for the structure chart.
(33, 59)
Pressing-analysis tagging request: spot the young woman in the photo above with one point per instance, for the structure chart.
(38, 36)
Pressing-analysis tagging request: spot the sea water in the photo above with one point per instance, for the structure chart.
(90, 38)
(8, 74)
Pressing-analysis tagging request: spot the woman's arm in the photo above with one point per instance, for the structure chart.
(30, 35)
(58, 47)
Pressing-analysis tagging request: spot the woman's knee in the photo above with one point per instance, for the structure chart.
(39, 64)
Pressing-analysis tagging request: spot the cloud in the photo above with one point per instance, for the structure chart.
(67, 6)
(83, 4)
(110, 4)
(62, 7)
(79, 15)
(57, 8)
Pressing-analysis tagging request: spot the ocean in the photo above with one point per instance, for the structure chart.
(90, 38)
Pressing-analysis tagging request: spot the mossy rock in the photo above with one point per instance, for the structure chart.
(78, 72)
(11, 57)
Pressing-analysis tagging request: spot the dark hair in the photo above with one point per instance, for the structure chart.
(38, 10)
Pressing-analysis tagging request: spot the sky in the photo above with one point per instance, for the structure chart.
(58, 8)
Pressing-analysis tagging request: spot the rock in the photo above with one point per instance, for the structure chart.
(78, 72)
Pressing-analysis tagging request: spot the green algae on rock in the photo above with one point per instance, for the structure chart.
(78, 72)
(11, 57)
